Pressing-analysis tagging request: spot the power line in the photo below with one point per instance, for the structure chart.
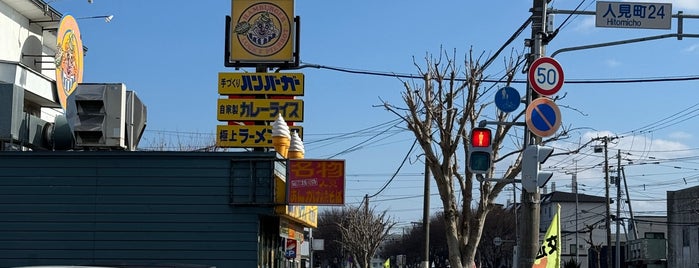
(518, 81)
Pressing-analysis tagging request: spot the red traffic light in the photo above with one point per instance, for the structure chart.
(480, 137)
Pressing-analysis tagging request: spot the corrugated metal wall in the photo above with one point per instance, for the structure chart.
(146, 207)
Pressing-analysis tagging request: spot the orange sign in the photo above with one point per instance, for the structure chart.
(69, 59)
(316, 182)
(262, 31)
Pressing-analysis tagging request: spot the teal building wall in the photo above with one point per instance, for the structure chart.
(109, 207)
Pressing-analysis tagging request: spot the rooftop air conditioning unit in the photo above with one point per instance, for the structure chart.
(96, 113)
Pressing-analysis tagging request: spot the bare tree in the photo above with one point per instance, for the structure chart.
(362, 233)
(332, 255)
(440, 115)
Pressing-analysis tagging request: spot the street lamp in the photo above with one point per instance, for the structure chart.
(107, 19)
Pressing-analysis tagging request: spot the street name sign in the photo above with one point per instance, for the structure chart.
(634, 15)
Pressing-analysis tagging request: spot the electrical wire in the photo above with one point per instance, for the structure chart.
(397, 170)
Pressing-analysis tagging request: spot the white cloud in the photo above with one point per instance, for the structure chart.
(612, 63)
(586, 24)
(692, 48)
(642, 145)
(680, 135)
(685, 5)
(677, 5)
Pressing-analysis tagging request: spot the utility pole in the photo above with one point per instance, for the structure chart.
(618, 208)
(575, 190)
(529, 230)
(607, 214)
(426, 201)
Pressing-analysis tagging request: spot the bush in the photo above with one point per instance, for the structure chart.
(571, 263)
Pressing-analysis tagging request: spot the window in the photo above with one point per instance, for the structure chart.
(573, 249)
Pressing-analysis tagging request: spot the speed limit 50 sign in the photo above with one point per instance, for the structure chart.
(546, 76)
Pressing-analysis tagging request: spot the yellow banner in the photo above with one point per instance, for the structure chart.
(259, 109)
(549, 255)
(241, 136)
(290, 84)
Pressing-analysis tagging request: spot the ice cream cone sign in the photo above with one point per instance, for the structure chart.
(280, 136)
(296, 149)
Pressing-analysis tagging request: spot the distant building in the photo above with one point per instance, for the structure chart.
(582, 222)
(683, 227)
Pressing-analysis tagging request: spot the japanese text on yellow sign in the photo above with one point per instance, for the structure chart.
(290, 84)
(259, 109)
(237, 136)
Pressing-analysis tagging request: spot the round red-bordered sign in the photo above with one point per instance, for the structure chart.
(543, 117)
(546, 76)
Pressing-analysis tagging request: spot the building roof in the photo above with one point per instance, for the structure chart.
(36, 10)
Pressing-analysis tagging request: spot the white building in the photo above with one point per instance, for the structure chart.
(28, 98)
(582, 223)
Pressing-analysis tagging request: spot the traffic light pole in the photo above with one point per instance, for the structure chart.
(529, 229)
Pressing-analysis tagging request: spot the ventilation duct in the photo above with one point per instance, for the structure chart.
(96, 114)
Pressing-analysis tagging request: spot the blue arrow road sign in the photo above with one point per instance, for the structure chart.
(543, 117)
(507, 99)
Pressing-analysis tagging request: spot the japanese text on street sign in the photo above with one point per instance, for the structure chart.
(259, 109)
(316, 182)
(633, 15)
(237, 136)
(261, 83)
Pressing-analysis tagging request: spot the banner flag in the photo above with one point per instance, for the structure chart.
(549, 255)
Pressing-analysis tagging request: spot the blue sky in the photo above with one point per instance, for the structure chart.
(170, 53)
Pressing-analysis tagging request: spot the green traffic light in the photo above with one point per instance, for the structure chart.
(479, 162)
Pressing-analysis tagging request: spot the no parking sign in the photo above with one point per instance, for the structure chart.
(543, 117)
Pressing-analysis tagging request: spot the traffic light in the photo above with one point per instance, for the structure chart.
(480, 150)
(532, 177)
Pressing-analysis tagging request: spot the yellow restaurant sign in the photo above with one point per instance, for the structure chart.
(290, 84)
(262, 31)
(241, 136)
(259, 109)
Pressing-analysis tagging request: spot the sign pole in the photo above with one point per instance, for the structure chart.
(529, 230)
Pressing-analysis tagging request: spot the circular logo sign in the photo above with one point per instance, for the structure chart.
(69, 59)
(263, 29)
(546, 76)
(543, 117)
